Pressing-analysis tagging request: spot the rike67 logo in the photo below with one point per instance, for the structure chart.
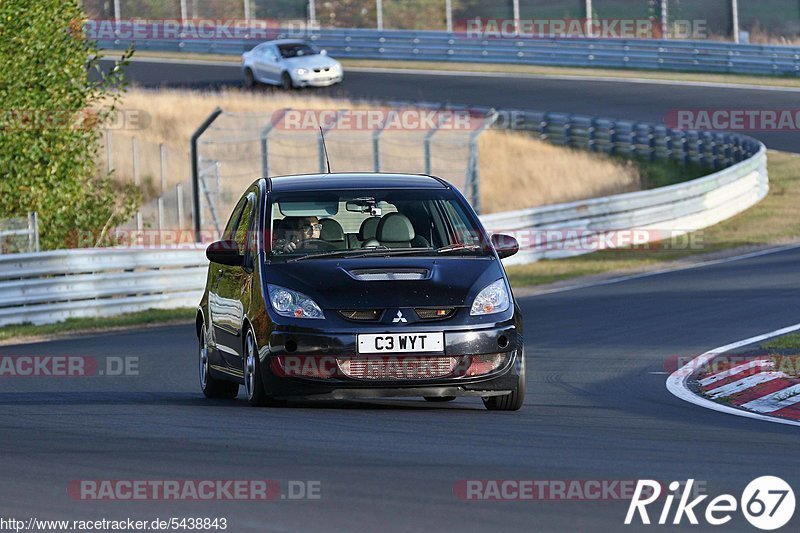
(767, 503)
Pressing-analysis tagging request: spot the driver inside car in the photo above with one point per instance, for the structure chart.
(301, 229)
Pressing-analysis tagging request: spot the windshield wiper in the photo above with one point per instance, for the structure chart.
(362, 252)
(332, 253)
(458, 247)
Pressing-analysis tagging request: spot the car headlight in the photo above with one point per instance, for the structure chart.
(494, 298)
(287, 302)
(301, 71)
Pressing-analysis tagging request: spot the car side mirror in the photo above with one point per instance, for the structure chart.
(506, 245)
(224, 253)
(323, 52)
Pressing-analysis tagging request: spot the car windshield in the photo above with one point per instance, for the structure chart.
(296, 50)
(308, 225)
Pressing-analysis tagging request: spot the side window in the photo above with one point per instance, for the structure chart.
(243, 234)
(456, 217)
(230, 227)
(268, 53)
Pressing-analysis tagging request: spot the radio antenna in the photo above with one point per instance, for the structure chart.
(325, 149)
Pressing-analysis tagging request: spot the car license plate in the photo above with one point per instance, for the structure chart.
(401, 343)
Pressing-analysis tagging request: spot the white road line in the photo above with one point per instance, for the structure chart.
(744, 384)
(777, 400)
(677, 382)
(569, 77)
(738, 369)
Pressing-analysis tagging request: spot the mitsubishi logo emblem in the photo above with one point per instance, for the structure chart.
(399, 317)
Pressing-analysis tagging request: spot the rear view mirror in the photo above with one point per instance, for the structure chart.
(224, 253)
(323, 52)
(506, 245)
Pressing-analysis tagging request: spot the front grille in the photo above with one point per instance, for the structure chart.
(362, 315)
(434, 313)
(397, 368)
(317, 70)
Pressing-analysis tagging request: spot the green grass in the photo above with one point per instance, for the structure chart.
(773, 221)
(786, 342)
(660, 172)
(87, 325)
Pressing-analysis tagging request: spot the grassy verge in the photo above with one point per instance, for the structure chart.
(661, 172)
(787, 342)
(773, 221)
(771, 81)
(74, 326)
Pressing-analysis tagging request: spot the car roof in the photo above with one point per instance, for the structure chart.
(355, 180)
(279, 42)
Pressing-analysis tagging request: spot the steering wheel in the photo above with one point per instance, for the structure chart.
(316, 245)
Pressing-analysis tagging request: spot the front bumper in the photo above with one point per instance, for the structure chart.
(458, 343)
(317, 80)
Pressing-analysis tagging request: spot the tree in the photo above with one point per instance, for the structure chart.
(51, 115)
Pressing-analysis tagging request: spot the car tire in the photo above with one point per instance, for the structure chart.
(253, 380)
(211, 386)
(286, 82)
(439, 399)
(513, 401)
(249, 79)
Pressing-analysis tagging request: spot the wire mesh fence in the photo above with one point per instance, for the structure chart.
(238, 148)
(162, 174)
(244, 146)
(19, 234)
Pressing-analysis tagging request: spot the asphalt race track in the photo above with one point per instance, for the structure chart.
(597, 409)
(632, 101)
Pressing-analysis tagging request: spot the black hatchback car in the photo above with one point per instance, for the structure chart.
(359, 285)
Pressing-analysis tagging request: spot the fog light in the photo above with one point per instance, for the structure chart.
(484, 364)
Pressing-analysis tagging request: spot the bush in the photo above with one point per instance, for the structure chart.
(51, 114)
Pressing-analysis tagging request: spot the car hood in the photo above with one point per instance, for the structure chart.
(314, 61)
(332, 283)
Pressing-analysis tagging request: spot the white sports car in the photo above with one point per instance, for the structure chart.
(290, 63)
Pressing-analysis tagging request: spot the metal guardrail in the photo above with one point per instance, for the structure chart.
(651, 54)
(53, 286)
(667, 211)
